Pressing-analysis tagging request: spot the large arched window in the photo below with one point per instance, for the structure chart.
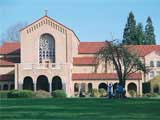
(47, 49)
(151, 64)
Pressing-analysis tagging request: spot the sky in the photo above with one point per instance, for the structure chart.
(91, 20)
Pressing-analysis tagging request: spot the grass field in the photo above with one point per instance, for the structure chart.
(79, 109)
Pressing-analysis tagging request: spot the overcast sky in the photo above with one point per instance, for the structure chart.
(92, 20)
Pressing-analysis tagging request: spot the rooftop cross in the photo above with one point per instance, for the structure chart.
(46, 11)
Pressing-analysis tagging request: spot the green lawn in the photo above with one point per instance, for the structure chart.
(79, 109)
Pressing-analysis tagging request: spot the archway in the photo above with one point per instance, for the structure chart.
(115, 87)
(42, 83)
(5, 87)
(156, 89)
(12, 86)
(28, 83)
(89, 87)
(56, 83)
(103, 85)
(83, 87)
(76, 87)
(132, 86)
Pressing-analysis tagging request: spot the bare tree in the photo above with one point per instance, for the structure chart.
(124, 61)
(12, 33)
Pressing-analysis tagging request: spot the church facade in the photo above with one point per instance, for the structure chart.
(50, 56)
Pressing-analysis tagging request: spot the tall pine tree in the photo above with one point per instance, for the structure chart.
(129, 35)
(140, 34)
(149, 32)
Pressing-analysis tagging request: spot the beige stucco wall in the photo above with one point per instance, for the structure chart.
(66, 47)
(96, 83)
(153, 56)
(66, 43)
(83, 69)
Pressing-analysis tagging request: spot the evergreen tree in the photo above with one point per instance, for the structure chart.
(140, 34)
(129, 35)
(149, 32)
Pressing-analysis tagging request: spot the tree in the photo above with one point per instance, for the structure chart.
(124, 61)
(149, 32)
(140, 34)
(12, 33)
(129, 34)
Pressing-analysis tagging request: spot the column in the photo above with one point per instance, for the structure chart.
(50, 87)
(34, 87)
(79, 84)
(16, 78)
(86, 87)
(140, 88)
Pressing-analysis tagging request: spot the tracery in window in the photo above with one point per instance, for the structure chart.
(47, 48)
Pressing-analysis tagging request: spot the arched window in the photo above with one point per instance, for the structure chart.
(158, 64)
(151, 64)
(47, 48)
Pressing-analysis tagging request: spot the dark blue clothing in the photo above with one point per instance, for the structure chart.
(120, 89)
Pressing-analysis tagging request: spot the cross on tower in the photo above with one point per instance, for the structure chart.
(46, 11)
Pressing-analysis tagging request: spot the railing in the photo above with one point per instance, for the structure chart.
(42, 66)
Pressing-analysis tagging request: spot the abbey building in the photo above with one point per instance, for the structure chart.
(50, 56)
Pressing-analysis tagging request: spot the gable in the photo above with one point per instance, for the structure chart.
(45, 20)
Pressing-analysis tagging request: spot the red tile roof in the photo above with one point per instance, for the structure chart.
(102, 76)
(10, 48)
(6, 77)
(143, 50)
(94, 47)
(90, 47)
(84, 60)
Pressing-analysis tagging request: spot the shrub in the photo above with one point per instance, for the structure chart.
(132, 93)
(150, 95)
(95, 93)
(4, 94)
(42, 94)
(59, 94)
(103, 92)
(21, 94)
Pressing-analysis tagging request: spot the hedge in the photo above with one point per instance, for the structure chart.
(4, 94)
(59, 94)
(42, 94)
(21, 94)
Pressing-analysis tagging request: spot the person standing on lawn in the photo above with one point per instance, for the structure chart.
(110, 90)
